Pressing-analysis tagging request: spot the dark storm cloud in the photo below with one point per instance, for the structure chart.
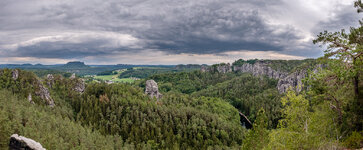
(50, 29)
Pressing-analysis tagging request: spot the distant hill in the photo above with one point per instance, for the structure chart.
(75, 64)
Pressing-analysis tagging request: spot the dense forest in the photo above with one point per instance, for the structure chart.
(198, 109)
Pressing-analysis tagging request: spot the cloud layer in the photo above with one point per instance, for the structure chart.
(68, 29)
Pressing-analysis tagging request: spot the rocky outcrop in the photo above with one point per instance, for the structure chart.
(15, 74)
(79, 86)
(220, 68)
(50, 80)
(294, 80)
(44, 94)
(30, 98)
(260, 68)
(22, 143)
(151, 89)
(224, 68)
(73, 76)
(204, 68)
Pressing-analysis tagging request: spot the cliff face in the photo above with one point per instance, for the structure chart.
(224, 68)
(260, 68)
(294, 80)
(286, 80)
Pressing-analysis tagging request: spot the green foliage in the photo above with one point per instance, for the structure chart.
(45, 72)
(257, 137)
(291, 133)
(5, 129)
(355, 140)
(145, 72)
(192, 123)
(347, 48)
(248, 94)
(240, 62)
(189, 82)
(110, 72)
(301, 128)
(46, 126)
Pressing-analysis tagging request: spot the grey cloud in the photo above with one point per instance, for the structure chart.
(183, 26)
(346, 17)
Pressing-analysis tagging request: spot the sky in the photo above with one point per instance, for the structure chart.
(166, 31)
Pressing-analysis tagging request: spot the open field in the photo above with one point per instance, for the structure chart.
(114, 77)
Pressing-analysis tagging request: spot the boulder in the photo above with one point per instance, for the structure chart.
(22, 143)
(151, 89)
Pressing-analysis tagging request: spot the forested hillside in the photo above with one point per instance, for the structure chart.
(320, 105)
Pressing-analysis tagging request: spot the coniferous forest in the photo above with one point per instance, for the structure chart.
(222, 106)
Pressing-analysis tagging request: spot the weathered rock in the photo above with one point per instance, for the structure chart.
(286, 81)
(204, 68)
(43, 93)
(30, 98)
(22, 143)
(73, 76)
(50, 80)
(15, 74)
(260, 68)
(294, 80)
(151, 89)
(224, 68)
(79, 86)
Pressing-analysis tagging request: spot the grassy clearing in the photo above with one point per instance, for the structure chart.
(114, 77)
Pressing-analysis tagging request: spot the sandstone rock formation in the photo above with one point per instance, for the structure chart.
(224, 68)
(73, 76)
(44, 94)
(15, 74)
(260, 68)
(30, 98)
(204, 68)
(294, 80)
(50, 80)
(151, 89)
(79, 86)
(286, 80)
(22, 143)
